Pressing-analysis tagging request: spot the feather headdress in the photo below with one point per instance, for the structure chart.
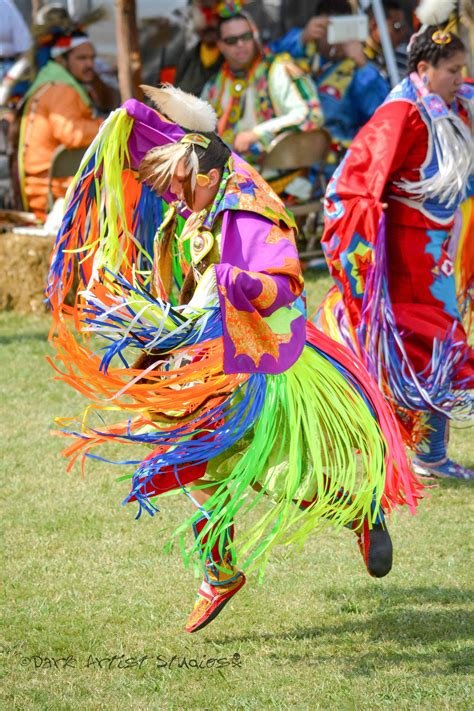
(185, 109)
(229, 8)
(159, 165)
(434, 12)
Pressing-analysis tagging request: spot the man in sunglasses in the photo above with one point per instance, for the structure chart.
(257, 95)
(398, 30)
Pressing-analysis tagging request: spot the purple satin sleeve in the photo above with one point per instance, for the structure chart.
(247, 247)
(244, 245)
(246, 287)
(149, 131)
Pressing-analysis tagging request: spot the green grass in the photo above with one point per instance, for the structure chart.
(82, 579)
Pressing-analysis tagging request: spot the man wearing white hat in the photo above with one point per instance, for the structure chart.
(58, 111)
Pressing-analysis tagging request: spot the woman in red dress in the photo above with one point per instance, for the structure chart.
(390, 212)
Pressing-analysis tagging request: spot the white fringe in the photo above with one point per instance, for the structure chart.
(159, 165)
(454, 149)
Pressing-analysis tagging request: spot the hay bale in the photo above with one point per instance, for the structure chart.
(24, 264)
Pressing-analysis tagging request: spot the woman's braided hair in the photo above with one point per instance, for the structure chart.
(424, 48)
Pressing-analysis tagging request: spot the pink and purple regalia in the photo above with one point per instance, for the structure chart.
(393, 230)
(231, 386)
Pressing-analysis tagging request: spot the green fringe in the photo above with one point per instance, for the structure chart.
(315, 435)
(111, 235)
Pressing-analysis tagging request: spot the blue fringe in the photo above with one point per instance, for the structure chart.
(147, 217)
(221, 428)
(145, 335)
(238, 419)
(433, 388)
(76, 237)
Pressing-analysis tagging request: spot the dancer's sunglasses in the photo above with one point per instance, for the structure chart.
(202, 180)
(399, 26)
(234, 39)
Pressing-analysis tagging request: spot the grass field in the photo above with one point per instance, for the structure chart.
(93, 609)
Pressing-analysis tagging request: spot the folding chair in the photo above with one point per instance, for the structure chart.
(303, 149)
(65, 164)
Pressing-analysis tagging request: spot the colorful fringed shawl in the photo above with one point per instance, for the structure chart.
(243, 374)
(462, 253)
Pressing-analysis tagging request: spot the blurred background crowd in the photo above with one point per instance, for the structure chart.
(270, 68)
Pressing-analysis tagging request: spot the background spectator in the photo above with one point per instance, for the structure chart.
(350, 87)
(257, 95)
(202, 61)
(398, 30)
(58, 111)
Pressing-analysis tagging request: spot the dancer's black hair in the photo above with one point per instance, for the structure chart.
(423, 48)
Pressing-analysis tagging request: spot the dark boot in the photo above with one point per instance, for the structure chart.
(374, 543)
(376, 548)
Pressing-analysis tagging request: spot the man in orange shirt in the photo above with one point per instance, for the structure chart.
(58, 111)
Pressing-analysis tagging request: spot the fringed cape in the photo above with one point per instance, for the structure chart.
(245, 372)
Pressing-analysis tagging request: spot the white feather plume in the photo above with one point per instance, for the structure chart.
(160, 164)
(434, 12)
(185, 109)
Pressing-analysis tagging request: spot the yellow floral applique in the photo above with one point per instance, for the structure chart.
(250, 333)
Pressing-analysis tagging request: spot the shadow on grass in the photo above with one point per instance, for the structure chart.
(396, 622)
(415, 660)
